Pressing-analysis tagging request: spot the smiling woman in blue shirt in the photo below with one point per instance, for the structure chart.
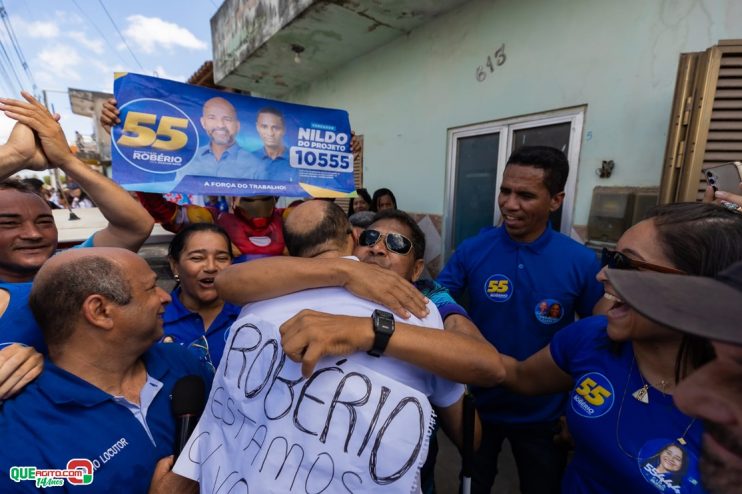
(621, 369)
(198, 318)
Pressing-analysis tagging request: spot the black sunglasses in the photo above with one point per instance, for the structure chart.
(394, 242)
(616, 260)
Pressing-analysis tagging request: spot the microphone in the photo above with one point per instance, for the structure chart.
(188, 401)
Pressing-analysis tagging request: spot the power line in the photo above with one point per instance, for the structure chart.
(95, 26)
(8, 81)
(10, 64)
(17, 47)
(14, 40)
(7, 57)
(120, 35)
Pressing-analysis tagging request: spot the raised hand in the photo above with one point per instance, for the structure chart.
(24, 147)
(47, 128)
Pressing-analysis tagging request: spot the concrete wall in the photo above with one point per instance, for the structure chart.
(240, 27)
(617, 57)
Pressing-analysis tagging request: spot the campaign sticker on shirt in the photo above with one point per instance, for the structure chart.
(498, 288)
(549, 311)
(592, 396)
(669, 466)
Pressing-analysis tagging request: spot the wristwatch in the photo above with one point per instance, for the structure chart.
(383, 330)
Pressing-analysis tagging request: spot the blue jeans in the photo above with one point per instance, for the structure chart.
(540, 462)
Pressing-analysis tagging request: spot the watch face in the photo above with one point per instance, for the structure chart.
(383, 321)
(383, 330)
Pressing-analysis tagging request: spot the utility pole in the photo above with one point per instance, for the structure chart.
(56, 182)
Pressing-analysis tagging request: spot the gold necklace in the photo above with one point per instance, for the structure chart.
(642, 394)
(681, 440)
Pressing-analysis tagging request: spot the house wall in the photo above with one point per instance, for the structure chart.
(618, 58)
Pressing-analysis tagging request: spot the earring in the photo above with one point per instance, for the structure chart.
(177, 278)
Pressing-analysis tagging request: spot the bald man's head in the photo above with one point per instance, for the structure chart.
(66, 280)
(316, 227)
(219, 120)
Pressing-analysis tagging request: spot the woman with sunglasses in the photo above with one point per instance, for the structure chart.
(197, 317)
(622, 368)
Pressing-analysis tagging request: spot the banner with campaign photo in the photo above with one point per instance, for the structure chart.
(179, 138)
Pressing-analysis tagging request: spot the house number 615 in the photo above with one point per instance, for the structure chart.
(498, 59)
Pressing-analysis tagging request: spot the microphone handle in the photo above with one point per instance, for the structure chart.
(184, 426)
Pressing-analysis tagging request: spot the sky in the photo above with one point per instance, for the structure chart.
(74, 44)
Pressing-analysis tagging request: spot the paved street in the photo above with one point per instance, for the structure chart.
(449, 463)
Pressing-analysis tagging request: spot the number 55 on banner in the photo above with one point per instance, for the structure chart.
(156, 136)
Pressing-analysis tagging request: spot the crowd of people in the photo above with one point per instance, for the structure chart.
(71, 196)
(634, 360)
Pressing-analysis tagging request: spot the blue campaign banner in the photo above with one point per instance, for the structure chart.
(179, 138)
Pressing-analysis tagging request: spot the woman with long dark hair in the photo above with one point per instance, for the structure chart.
(362, 202)
(668, 467)
(383, 199)
(622, 368)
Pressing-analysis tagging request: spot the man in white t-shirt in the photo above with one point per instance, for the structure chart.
(320, 229)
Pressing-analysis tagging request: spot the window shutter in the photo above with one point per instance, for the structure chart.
(706, 119)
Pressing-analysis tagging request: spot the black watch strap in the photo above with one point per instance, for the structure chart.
(383, 329)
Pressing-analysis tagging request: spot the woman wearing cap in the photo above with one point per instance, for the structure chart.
(621, 369)
(197, 318)
(707, 307)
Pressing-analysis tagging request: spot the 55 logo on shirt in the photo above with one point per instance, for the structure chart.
(592, 396)
(498, 288)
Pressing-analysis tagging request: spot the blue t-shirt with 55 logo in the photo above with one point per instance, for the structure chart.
(621, 444)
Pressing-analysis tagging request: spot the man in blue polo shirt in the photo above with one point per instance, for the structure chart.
(272, 160)
(221, 156)
(525, 281)
(103, 399)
